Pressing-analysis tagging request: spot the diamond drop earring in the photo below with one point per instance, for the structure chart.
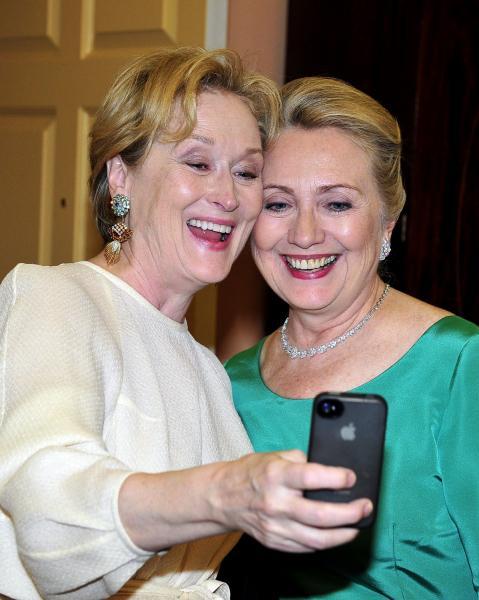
(385, 249)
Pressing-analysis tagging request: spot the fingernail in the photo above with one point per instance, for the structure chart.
(368, 508)
(351, 478)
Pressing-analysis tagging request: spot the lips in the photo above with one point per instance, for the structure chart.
(309, 267)
(310, 264)
(210, 231)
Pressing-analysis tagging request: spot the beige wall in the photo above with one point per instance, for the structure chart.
(257, 30)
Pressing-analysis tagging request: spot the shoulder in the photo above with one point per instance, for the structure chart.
(462, 329)
(405, 318)
(31, 287)
(64, 296)
(462, 339)
(425, 314)
(206, 354)
(57, 327)
(411, 318)
(453, 341)
(45, 281)
(415, 312)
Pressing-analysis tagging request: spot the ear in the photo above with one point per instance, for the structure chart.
(117, 175)
(389, 229)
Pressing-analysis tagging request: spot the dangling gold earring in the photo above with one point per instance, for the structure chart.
(120, 206)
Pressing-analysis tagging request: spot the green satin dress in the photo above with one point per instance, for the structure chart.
(425, 542)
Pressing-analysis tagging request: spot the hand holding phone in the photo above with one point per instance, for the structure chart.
(347, 430)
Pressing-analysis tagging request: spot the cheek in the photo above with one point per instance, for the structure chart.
(182, 189)
(252, 201)
(266, 233)
(150, 199)
(361, 234)
(144, 207)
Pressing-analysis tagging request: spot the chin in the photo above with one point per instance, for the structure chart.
(213, 276)
(306, 303)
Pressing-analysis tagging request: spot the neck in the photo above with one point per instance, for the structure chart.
(306, 328)
(167, 300)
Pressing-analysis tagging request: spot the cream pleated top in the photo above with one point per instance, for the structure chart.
(96, 383)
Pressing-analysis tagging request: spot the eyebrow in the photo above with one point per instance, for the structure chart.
(202, 138)
(211, 142)
(320, 189)
(253, 151)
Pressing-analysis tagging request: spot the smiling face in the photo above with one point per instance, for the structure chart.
(317, 239)
(193, 203)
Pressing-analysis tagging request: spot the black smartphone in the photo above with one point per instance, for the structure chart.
(347, 430)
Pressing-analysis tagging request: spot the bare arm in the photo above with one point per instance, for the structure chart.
(260, 494)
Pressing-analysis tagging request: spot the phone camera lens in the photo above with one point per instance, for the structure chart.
(330, 408)
(327, 407)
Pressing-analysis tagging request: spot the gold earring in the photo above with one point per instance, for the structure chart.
(120, 206)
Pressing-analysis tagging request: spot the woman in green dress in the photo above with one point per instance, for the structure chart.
(332, 195)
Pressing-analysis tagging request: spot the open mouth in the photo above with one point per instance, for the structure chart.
(209, 231)
(310, 265)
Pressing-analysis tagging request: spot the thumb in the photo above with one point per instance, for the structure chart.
(296, 456)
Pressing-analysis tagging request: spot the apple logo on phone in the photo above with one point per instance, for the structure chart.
(348, 432)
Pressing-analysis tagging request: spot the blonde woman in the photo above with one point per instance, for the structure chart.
(124, 468)
(332, 194)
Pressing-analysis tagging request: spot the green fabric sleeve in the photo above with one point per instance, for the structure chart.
(458, 453)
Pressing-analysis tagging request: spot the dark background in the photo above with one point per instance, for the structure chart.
(420, 59)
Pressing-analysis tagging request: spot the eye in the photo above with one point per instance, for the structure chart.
(275, 206)
(338, 205)
(198, 166)
(248, 170)
(247, 174)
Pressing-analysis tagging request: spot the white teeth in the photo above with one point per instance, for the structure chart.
(209, 225)
(310, 264)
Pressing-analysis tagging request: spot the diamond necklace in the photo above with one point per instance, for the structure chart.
(294, 352)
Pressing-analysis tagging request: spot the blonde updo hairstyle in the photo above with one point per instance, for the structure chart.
(315, 102)
(145, 97)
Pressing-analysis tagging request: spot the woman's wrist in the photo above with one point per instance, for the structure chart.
(162, 509)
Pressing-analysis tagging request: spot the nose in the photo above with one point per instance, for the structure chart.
(306, 230)
(223, 193)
